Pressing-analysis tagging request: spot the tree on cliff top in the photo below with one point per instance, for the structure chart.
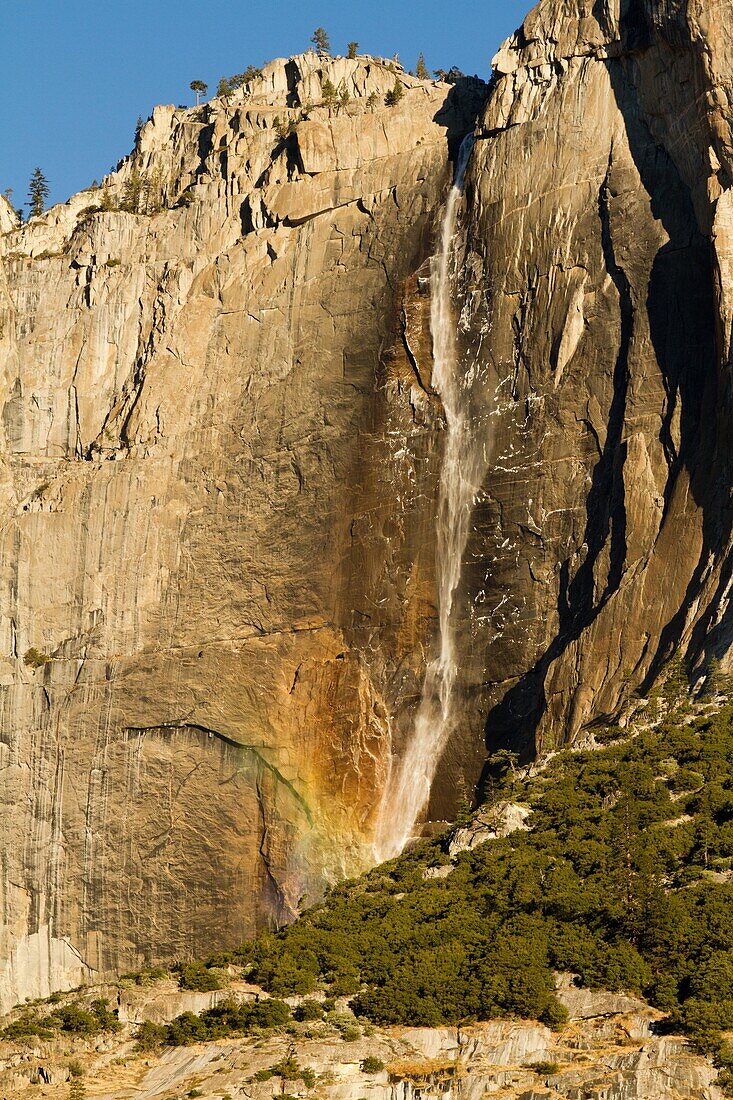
(352, 47)
(421, 70)
(321, 41)
(200, 87)
(38, 192)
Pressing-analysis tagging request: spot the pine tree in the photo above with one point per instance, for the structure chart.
(330, 95)
(321, 41)
(393, 98)
(38, 192)
(200, 87)
(421, 70)
(134, 191)
(352, 47)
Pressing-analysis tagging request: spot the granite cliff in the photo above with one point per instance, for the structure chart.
(216, 490)
(222, 451)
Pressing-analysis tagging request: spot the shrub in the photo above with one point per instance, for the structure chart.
(35, 659)
(272, 1013)
(287, 1068)
(371, 1064)
(107, 1018)
(542, 1069)
(28, 1026)
(198, 977)
(150, 1036)
(186, 1029)
(309, 1010)
(75, 1020)
(76, 1069)
(555, 1015)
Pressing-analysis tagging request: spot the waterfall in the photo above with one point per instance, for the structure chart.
(408, 788)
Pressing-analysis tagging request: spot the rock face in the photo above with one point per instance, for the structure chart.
(219, 455)
(608, 1049)
(597, 301)
(221, 451)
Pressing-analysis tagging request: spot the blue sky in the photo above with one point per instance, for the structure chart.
(78, 73)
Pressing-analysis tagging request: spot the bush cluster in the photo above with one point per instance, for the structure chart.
(225, 1019)
(70, 1019)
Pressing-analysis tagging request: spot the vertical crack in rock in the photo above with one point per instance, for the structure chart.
(605, 503)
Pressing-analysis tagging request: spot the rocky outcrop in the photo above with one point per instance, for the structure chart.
(220, 448)
(596, 318)
(609, 1048)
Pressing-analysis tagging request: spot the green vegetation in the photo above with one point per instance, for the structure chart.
(351, 49)
(200, 978)
(321, 41)
(329, 93)
(284, 128)
(34, 658)
(133, 192)
(150, 1036)
(226, 1018)
(199, 88)
(370, 1064)
(309, 1011)
(288, 1069)
(229, 84)
(542, 1069)
(38, 192)
(8, 194)
(421, 69)
(69, 1019)
(394, 96)
(148, 976)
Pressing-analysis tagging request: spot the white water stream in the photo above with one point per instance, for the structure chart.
(408, 788)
